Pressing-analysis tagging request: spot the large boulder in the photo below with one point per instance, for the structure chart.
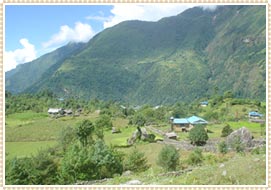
(140, 134)
(115, 130)
(241, 137)
(133, 138)
(144, 134)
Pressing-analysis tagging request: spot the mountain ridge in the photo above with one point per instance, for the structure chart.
(179, 58)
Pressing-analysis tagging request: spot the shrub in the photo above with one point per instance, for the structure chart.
(90, 162)
(19, 171)
(222, 147)
(168, 158)
(255, 150)
(46, 168)
(237, 145)
(198, 135)
(67, 137)
(195, 157)
(104, 122)
(226, 131)
(136, 161)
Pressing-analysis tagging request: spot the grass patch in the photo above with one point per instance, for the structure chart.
(26, 149)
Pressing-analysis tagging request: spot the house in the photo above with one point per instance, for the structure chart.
(54, 111)
(185, 124)
(204, 103)
(171, 135)
(254, 114)
(180, 124)
(68, 112)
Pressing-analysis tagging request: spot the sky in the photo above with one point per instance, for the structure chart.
(33, 30)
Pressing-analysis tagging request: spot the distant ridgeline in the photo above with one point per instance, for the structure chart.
(181, 58)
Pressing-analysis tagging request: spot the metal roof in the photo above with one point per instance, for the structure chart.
(196, 120)
(180, 121)
(254, 113)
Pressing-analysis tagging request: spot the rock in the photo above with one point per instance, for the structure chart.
(256, 160)
(242, 136)
(221, 165)
(224, 173)
(133, 138)
(115, 130)
(144, 134)
(127, 173)
(133, 182)
(258, 142)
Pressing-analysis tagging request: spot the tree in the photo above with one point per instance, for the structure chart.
(138, 120)
(84, 132)
(104, 122)
(226, 131)
(168, 158)
(198, 135)
(77, 164)
(222, 147)
(136, 161)
(67, 137)
(46, 168)
(19, 171)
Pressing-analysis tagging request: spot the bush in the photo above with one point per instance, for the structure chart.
(136, 161)
(255, 150)
(90, 162)
(198, 135)
(168, 158)
(104, 122)
(226, 131)
(67, 137)
(46, 168)
(222, 147)
(19, 171)
(237, 145)
(195, 157)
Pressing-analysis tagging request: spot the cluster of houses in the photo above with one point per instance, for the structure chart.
(62, 112)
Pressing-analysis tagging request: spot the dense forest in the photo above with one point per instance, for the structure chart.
(179, 58)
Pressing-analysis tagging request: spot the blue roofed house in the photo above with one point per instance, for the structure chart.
(204, 103)
(185, 124)
(254, 114)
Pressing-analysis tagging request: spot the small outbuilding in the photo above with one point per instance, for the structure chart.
(54, 111)
(171, 135)
(68, 112)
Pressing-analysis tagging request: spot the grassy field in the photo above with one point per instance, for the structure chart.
(22, 149)
(27, 133)
(215, 170)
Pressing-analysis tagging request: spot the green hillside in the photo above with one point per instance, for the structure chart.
(180, 58)
(17, 80)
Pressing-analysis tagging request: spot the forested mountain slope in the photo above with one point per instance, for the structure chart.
(178, 58)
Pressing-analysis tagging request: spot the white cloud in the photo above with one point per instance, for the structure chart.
(98, 18)
(209, 7)
(122, 12)
(80, 33)
(19, 56)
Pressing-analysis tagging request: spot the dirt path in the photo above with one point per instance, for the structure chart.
(211, 145)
